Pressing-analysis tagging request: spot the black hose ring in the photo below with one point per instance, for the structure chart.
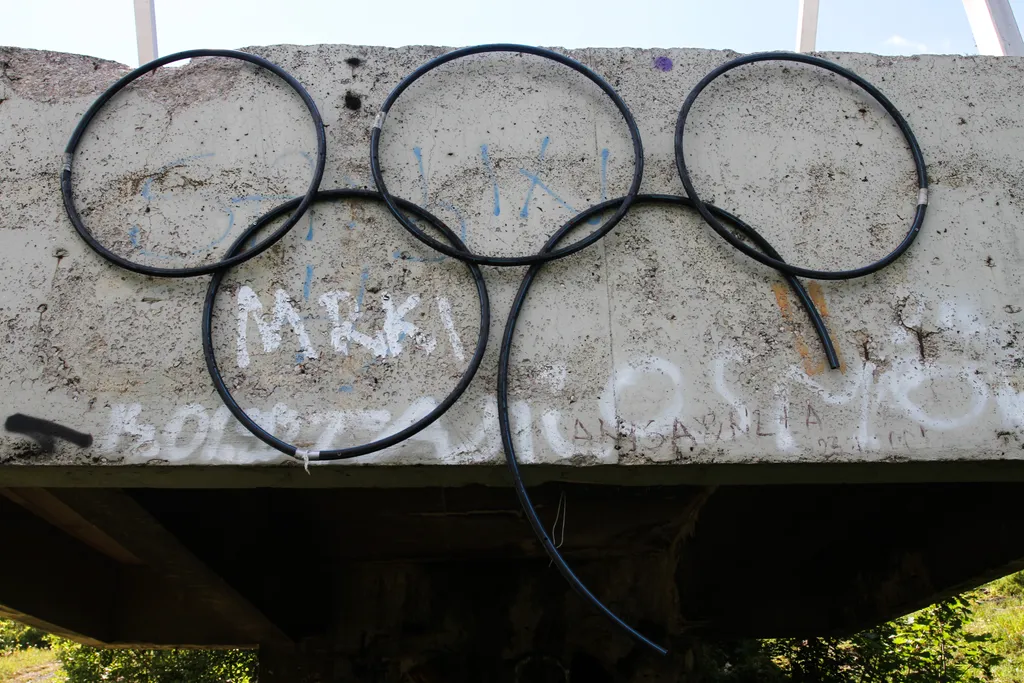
(540, 257)
(504, 420)
(776, 263)
(83, 124)
(379, 444)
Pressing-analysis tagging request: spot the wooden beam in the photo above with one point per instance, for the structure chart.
(132, 527)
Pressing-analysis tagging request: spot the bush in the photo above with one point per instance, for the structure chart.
(82, 664)
(15, 636)
(930, 646)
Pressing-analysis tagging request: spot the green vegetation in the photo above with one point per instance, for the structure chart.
(999, 611)
(15, 636)
(15, 665)
(24, 649)
(930, 646)
(84, 664)
(977, 637)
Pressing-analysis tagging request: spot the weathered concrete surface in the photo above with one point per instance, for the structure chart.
(657, 345)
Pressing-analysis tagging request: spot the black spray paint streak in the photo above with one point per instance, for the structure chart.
(44, 432)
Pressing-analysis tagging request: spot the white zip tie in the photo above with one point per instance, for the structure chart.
(379, 121)
(306, 455)
(922, 196)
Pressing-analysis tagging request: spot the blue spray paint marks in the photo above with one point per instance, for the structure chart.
(458, 214)
(363, 277)
(351, 225)
(663, 63)
(346, 388)
(262, 197)
(418, 153)
(604, 174)
(147, 193)
(401, 256)
(147, 187)
(525, 212)
(133, 234)
(308, 282)
(537, 182)
(494, 178)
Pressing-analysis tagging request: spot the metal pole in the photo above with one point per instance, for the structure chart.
(994, 27)
(807, 25)
(145, 29)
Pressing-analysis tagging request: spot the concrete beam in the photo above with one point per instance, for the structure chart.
(49, 581)
(44, 505)
(165, 556)
(657, 346)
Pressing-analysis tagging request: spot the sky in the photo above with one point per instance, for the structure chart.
(106, 28)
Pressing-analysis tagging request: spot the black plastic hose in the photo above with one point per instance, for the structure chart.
(464, 254)
(379, 444)
(299, 208)
(504, 420)
(773, 261)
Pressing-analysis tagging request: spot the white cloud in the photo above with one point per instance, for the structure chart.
(904, 46)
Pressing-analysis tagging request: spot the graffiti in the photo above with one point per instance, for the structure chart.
(887, 418)
(44, 432)
(658, 408)
(344, 311)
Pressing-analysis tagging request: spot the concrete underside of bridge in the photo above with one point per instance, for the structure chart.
(449, 584)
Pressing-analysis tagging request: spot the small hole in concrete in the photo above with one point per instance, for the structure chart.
(353, 102)
(353, 61)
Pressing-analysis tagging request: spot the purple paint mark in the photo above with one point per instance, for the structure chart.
(663, 63)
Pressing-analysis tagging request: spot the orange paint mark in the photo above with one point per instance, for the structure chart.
(818, 297)
(782, 298)
(781, 291)
(810, 367)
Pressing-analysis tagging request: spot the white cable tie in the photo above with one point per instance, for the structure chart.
(922, 196)
(306, 456)
(379, 121)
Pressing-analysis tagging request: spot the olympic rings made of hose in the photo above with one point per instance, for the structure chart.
(464, 254)
(379, 444)
(504, 420)
(227, 262)
(767, 259)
